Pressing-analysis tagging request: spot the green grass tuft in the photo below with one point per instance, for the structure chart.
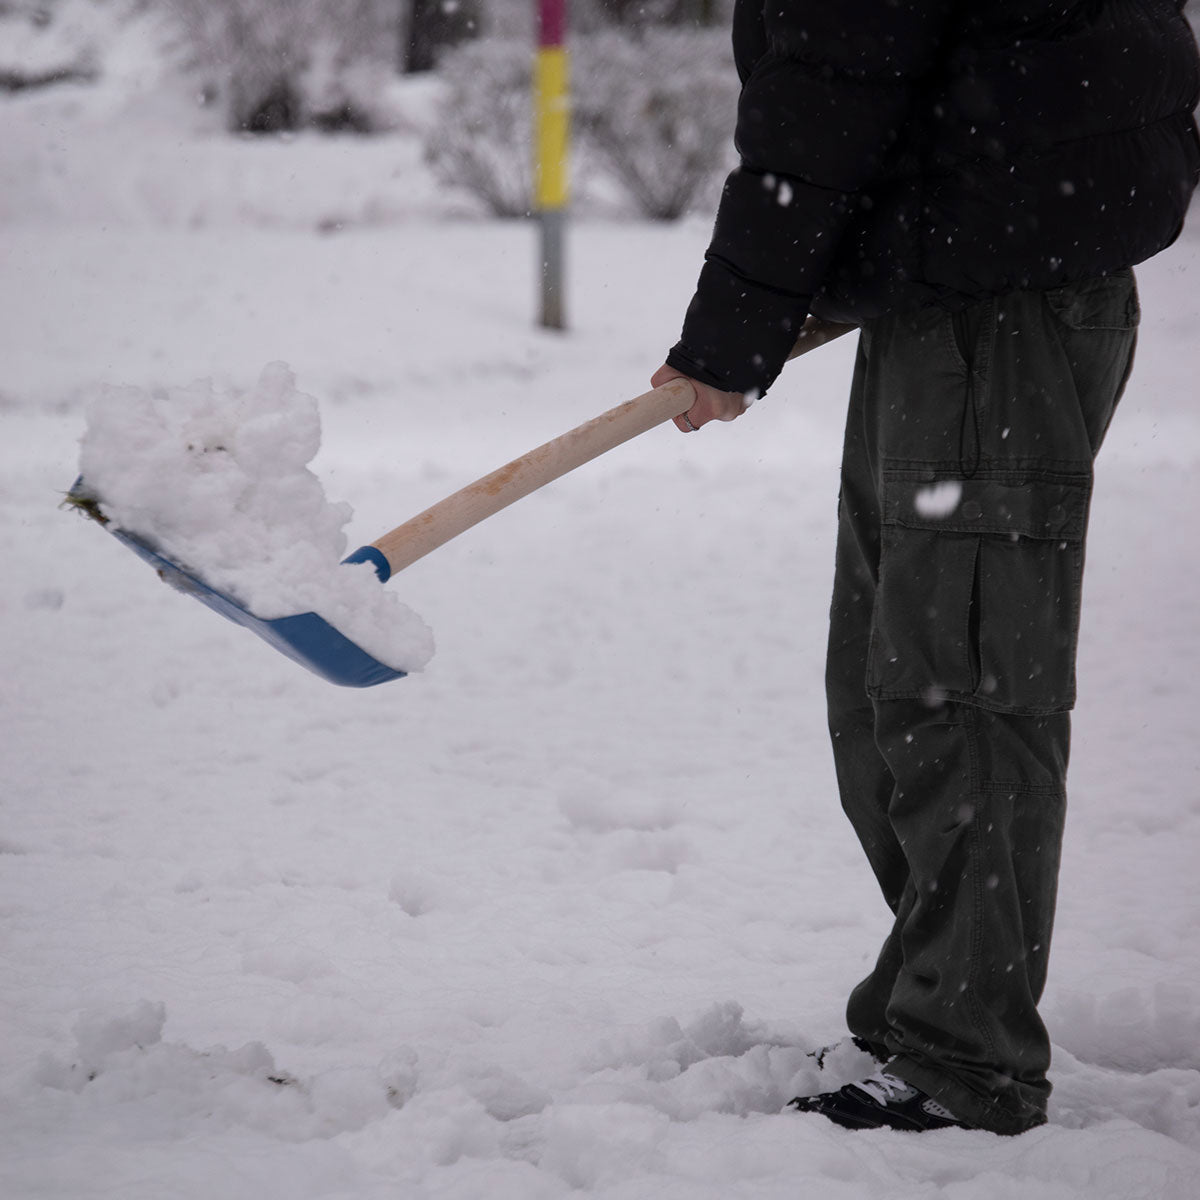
(85, 504)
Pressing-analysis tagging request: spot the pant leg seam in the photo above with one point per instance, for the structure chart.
(971, 995)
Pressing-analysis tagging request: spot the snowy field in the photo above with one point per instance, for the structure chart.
(565, 912)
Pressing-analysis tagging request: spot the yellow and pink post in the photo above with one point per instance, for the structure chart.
(551, 127)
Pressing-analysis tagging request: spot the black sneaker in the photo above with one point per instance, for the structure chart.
(881, 1102)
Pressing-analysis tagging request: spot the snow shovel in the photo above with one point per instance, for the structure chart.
(311, 641)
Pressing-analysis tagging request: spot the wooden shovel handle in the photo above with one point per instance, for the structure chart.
(817, 332)
(487, 496)
(411, 541)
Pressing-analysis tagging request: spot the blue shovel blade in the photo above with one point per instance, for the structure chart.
(305, 638)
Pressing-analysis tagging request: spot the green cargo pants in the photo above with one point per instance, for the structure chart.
(966, 483)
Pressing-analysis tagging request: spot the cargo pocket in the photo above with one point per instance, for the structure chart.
(1106, 302)
(1097, 323)
(979, 590)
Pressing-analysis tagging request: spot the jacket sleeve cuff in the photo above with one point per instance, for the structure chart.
(729, 312)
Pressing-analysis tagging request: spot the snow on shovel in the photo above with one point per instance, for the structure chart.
(212, 489)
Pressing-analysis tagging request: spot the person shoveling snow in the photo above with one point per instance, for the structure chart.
(212, 488)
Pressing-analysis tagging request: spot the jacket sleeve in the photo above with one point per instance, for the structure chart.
(823, 100)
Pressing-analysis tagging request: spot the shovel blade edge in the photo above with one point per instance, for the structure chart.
(305, 638)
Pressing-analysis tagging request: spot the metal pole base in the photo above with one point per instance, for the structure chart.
(553, 240)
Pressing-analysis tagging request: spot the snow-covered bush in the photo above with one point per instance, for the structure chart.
(77, 41)
(36, 51)
(654, 110)
(289, 64)
(480, 138)
(657, 110)
(518, 18)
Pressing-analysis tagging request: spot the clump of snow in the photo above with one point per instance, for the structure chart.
(99, 1036)
(217, 480)
(120, 1064)
(938, 500)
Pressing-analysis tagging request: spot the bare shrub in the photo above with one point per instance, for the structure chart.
(657, 110)
(481, 137)
(654, 110)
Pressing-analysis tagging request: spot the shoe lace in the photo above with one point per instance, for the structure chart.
(884, 1089)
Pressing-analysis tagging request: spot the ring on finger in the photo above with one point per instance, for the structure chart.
(688, 422)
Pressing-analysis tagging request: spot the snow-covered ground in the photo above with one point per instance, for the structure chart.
(566, 911)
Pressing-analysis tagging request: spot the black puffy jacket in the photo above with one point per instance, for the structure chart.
(905, 152)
